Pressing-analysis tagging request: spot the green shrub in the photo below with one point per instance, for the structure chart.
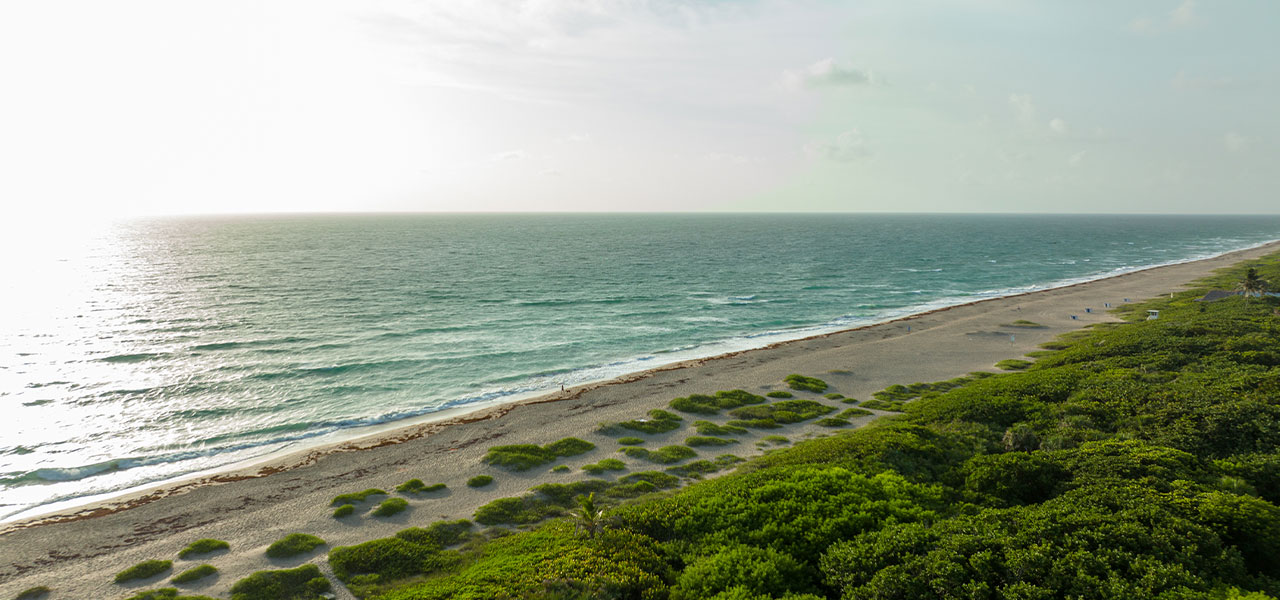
(631, 441)
(301, 583)
(203, 546)
(390, 506)
(833, 396)
(194, 573)
(161, 594)
(143, 570)
(754, 423)
(833, 422)
(758, 572)
(416, 486)
(849, 401)
(560, 469)
(441, 533)
(384, 559)
(1013, 364)
(34, 593)
(659, 421)
(357, 497)
(709, 428)
(776, 440)
(343, 510)
(710, 405)
(479, 481)
(877, 404)
(293, 545)
(522, 457)
(853, 413)
(695, 441)
(1024, 323)
(698, 468)
(658, 479)
(780, 394)
(783, 411)
(665, 455)
(806, 384)
(608, 464)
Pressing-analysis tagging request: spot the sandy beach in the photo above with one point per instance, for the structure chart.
(77, 552)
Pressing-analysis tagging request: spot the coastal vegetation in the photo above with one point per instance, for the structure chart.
(300, 583)
(608, 464)
(634, 441)
(479, 481)
(344, 510)
(203, 546)
(561, 469)
(390, 506)
(522, 457)
(34, 593)
(1013, 364)
(1024, 324)
(165, 594)
(780, 394)
(709, 428)
(834, 422)
(356, 497)
(695, 441)
(664, 456)
(659, 421)
(1137, 461)
(194, 573)
(416, 486)
(712, 405)
(143, 570)
(805, 384)
(293, 545)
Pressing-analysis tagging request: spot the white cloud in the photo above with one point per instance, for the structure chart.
(1235, 142)
(848, 146)
(829, 73)
(1059, 127)
(1023, 108)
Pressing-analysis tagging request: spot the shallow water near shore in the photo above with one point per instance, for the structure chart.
(157, 348)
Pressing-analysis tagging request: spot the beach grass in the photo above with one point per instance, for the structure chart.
(34, 593)
(1013, 364)
(165, 594)
(203, 546)
(711, 405)
(780, 394)
(479, 481)
(659, 421)
(776, 440)
(805, 384)
(344, 510)
(1024, 324)
(560, 469)
(608, 464)
(782, 411)
(695, 441)
(293, 545)
(143, 570)
(698, 468)
(878, 404)
(522, 457)
(631, 441)
(853, 413)
(300, 583)
(357, 497)
(834, 396)
(194, 573)
(833, 422)
(709, 428)
(416, 486)
(390, 506)
(754, 423)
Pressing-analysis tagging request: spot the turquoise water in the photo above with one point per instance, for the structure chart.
(163, 347)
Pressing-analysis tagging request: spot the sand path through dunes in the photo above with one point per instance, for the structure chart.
(77, 553)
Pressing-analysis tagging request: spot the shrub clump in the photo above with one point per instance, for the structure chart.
(301, 583)
(877, 404)
(479, 481)
(356, 497)
(695, 441)
(343, 510)
(608, 464)
(390, 506)
(784, 411)
(806, 384)
(754, 423)
(710, 405)
(659, 421)
(853, 413)
(385, 559)
(698, 468)
(776, 440)
(543, 501)
(143, 570)
(1013, 364)
(39, 591)
(522, 457)
(194, 573)
(833, 422)
(203, 546)
(780, 394)
(833, 396)
(1024, 323)
(709, 428)
(159, 594)
(441, 533)
(560, 469)
(416, 486)
(634, 441)
(293, 545)
(664, 456)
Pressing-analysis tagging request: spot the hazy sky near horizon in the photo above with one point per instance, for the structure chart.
(160, 107)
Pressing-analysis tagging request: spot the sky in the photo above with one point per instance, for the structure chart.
(133, 107)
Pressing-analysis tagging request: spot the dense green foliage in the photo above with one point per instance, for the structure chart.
(293, 545)
(633, 441)
(34, 593)
(390, 506)
(367, 567)
(143, 570)
(356, 497)
(1013, 364)
(301, 583)
(194, 573)
(709, 428)
(665, 455)
(479, 481)
(344, 510)
(416, 486)
(695, 441)
(608, 464)
(712, 405)
(203, 546)
(522, 457)
(698, 468)
(780, 412)
(780, 394)
(659, 421)
(853, 413)
(157, 594)
(1137, 460)
(806, 384)
(833, 422)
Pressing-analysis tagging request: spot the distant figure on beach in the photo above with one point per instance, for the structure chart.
(562, 387)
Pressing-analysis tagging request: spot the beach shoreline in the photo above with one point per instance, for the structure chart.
(927, 346)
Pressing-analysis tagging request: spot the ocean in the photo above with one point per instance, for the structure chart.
(156, 348)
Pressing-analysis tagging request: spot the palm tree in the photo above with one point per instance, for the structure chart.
(590, 519)
(1252, 284)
